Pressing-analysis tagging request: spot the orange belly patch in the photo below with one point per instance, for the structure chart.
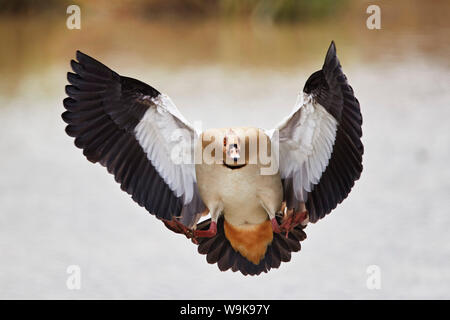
(250, 241)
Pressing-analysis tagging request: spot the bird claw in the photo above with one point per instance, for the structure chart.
(292, 220)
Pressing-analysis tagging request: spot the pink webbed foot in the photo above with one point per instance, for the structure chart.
(211, 232)
(292, 220)
(176, 226)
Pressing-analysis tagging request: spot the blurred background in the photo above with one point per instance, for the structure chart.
(226, 63)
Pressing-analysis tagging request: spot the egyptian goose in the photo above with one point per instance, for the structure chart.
(260, 187)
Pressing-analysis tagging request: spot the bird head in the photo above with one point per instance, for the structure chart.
(232, 150)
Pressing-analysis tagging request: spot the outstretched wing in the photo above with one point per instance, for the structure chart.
(320, 142)
(138, 134)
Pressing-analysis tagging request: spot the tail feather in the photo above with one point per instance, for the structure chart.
(219, 250)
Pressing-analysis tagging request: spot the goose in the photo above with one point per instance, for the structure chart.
(259, 187)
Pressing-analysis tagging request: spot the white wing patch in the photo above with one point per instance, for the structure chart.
(306, 142)
(168, 141)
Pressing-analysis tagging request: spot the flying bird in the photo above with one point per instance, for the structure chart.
(259, 187)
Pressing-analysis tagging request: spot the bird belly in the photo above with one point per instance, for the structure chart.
(238, 192)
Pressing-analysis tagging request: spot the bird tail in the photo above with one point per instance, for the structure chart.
(220, 250)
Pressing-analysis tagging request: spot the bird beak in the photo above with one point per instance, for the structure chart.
(233, 153)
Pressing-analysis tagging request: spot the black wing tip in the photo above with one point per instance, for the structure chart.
(76, 67)
(318, 78)
(69, 90)
(331, 59)
(331, 52)
(81, 56)
(85, 59)
(72, 77)
(92, 65)
(65, 117)
(332, 47)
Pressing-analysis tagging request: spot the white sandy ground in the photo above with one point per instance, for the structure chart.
(57, 209)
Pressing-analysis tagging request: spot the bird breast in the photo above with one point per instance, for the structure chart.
(239, 192)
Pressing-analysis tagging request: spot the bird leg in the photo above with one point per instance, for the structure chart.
(272, 212)
(212, 231)
(273, 220)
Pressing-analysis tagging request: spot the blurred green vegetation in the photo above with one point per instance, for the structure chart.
(278, 11)
(244, 34)
(31, 7)
(282, 10)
